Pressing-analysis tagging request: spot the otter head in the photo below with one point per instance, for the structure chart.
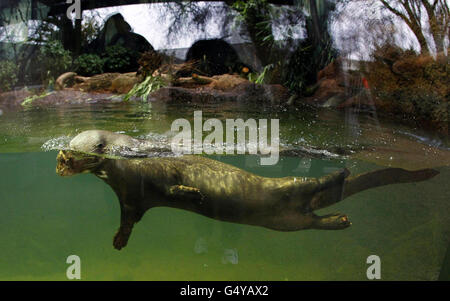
(70, 163)
(101, 142)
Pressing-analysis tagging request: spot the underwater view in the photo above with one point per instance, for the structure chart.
(46, 217)
(217, 147)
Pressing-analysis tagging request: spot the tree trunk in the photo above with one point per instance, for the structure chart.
(417, 30)
(315, 22)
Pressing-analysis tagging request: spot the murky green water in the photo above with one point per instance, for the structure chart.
(44, 218)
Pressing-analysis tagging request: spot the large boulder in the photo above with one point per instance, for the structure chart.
(123, 83)
(226, 82)
(117, 32)
(214, 57)
(119, 83)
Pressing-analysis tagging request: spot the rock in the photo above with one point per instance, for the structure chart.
(117, 32)
(98, 83)
(123, 83)
(13, 100)
(277, 94)
(119, 83)
(65, 80)
(244, 92)
(214, 57)
(334, 101)
(330, 71)
(227, 82)
(328, 88)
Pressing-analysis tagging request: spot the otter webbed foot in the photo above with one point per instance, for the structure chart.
(334, 221)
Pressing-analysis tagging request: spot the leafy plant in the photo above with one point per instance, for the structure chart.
(143, 89)
(91, 28)
(300, 71)
(256, 14)
(88, 64)
(118, 59)
(313, 53)
(8, 75)
(54, 59)
(29, 100)
(259, 78)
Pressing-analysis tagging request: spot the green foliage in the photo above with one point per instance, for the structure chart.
(260, 78)
(304, 64)
(8, 75)
(143, 89)
(88, 64)
(312, 54)
(29, 100)
(117, 59)
(410, 86)
(54, 60)
(257, 16)
(91, 29)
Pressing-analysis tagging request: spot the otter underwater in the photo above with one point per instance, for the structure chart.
(215, 189)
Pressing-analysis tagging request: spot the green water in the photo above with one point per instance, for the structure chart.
(45, 218)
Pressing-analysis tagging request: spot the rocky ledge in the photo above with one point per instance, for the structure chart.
(73, 89)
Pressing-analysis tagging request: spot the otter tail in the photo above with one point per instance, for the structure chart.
(385, 177)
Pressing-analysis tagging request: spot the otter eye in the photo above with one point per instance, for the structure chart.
(100, 146)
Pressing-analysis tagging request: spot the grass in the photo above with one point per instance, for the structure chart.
(143, 89)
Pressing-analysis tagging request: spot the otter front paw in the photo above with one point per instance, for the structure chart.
(120, 239)
(335, 221)
(186, 192)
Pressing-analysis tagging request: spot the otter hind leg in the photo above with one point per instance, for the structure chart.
(330, 190)
(333, 179)
(335, 221)
(385, 176)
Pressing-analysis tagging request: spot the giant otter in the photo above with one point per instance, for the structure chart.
(225, 192)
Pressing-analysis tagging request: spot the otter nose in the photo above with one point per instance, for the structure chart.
(62, 162)
(61, 156)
